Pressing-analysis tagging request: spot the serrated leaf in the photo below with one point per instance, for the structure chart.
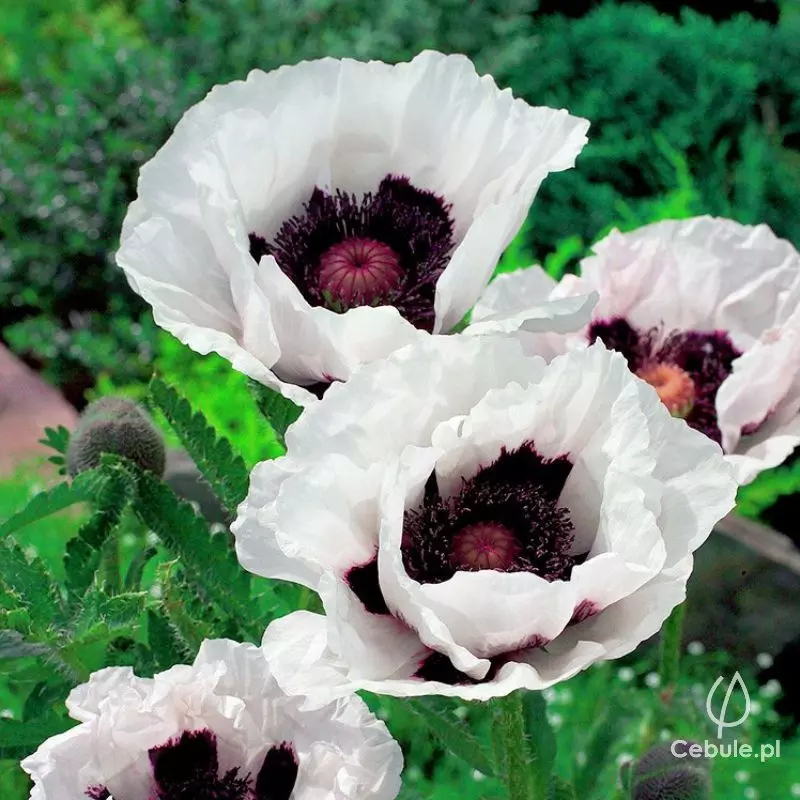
(13, 645)
(541, 738)
(208, 559)
(279, 410)
(44, 504)
(454, 736)
(102, 617)
(213, 455)
(30, 580)
(133, 578)
(45, 695)
(82, 557)
(20, 739)
(166, 641)
(56, 439)
(192, 628)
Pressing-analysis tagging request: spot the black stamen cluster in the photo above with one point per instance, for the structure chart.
(706, 356)
(438, 667)
(187, 768)
(519, 492)
(414, 223)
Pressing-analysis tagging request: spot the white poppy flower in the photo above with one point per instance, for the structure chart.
(476, 520)
(320, 216)
(707, 311)
(221, 729)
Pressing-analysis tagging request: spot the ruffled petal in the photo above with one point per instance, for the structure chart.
(319, 519)
(342, 750)
(248, 157)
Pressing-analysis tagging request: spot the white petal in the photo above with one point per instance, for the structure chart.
(377, 645)
(341, 748)
(512, 292)
(702, 273)
(764, 378)
(559, 316)
(295, 526)
(370, 417)
(247, 158)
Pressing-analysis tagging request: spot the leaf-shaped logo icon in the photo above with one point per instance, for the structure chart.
(736, 681)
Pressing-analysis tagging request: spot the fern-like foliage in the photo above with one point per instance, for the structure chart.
(48, 502)
(20, 739)
(278, 410)
(456, 737)
(101, 617)
(167, 642)
(83, 553)
(38, 605)
(57, 439)
(221, 467)
(207, 559)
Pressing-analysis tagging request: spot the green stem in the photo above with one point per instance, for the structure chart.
(110, 566)
(512, 747)
(671, 637)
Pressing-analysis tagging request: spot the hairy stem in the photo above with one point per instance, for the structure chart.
(671, 638)
(512, 747)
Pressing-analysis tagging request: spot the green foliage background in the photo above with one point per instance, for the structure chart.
(687, 116)
(89, 90)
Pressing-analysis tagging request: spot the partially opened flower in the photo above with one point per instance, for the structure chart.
(705, 310)
(218, 730)
(476, 520)
(320, 216)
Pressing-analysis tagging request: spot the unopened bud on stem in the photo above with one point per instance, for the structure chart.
(660, 774)
(118, 426)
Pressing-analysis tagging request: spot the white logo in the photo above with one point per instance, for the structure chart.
(721, 722)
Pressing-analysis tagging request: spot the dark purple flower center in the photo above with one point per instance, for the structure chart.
(387, 248)
(686, 368)
(187, 768)
(505, 518)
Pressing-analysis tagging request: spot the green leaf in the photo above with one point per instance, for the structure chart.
(556, 263)
(221, 467)
(208, 559)
(454, 735)
(57, 439)
(20, 739)
(279, 410)
(191, 625)
(45, 695)
(46, 503)
(133, 578)
(166, 641)
(102, 617)
(559, 789)
(604, 735)
(542, 740)
(29, 579)
(83, 556)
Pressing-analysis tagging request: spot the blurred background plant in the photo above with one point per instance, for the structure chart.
(688, 115)
(695, 108)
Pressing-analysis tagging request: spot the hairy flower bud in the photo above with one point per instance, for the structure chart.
(119, 426)
(661, 775)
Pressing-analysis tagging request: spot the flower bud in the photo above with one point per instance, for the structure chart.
(119, 426)
(661, 775)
